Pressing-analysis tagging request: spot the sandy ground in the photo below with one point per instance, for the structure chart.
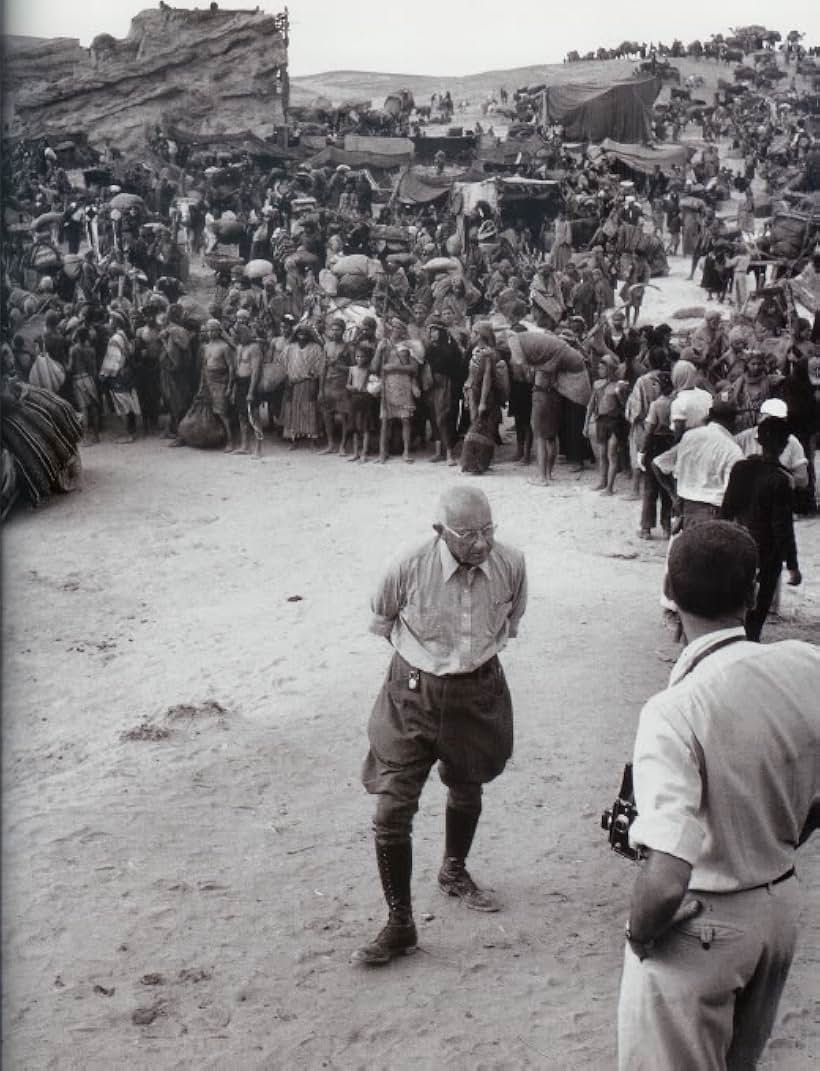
(182, 888)
(214, 882)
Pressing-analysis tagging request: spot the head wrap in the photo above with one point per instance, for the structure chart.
(684, 375)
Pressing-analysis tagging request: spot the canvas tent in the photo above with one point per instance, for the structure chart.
(378, 146)
(415, 189)
(332, 155)
(643, 158)
(620, 110)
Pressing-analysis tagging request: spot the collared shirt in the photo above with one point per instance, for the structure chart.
(701, 463)
(727, 759)
(792, 458)
(443, 617)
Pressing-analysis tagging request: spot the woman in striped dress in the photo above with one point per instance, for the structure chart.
(304, 360)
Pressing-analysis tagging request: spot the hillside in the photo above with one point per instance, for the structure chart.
(342, 85)
(209, 72)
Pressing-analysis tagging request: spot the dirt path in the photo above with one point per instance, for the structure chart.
(182, 888)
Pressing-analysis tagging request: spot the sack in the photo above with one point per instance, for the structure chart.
(229, 230)
(302, 258)
(501, 379)
(354, 287)
(201, 427)
(353, 264)
(46, 373)
(374, 385)
(404, 260)
(72, 266)
(440, 264)
(44, 258)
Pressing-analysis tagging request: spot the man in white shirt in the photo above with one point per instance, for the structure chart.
(726, 775)
(700, 464)
(793, 459)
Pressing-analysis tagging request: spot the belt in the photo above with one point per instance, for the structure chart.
(790, 873)
(486, 667)
(767, 884)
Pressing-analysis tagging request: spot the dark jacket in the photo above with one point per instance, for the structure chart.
(759, 496)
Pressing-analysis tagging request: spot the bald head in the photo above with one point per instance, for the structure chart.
(464, 508)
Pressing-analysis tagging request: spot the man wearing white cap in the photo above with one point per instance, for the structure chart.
(793, 459)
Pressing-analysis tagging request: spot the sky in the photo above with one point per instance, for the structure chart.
(443, 37)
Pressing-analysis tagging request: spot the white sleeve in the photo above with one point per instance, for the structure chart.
(668, 787)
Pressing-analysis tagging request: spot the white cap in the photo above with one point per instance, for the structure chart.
(775, 407)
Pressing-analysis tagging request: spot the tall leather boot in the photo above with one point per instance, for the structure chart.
(398, 938)
(454, 878)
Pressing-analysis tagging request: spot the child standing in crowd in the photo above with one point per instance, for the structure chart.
(606, 425)
(398, 369)
(399, 392)
(362, 402)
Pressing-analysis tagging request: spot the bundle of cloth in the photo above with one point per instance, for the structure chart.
(41, 433)
(356, 275)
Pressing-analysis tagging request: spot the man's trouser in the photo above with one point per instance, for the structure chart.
(697, 512)
(706, 996)
(464, 721)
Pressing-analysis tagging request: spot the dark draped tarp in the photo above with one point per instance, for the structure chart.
(422, 189)
(241, 142)
(620, 110)
(455, 148)
(643, 158)
(333, 155)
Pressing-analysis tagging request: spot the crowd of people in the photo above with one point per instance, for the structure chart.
(376, 329)
(379, 331)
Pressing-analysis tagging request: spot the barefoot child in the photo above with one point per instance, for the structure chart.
(362, 403)
(606, 425)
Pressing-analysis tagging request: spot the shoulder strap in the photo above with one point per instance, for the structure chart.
(711, 650)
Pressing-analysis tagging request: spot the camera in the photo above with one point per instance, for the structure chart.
(618, 819)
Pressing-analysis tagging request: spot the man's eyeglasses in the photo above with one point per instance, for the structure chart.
(472, 534)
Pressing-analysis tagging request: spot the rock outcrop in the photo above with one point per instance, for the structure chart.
(200, 71)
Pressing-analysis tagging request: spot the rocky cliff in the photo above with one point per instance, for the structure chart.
(201, 71)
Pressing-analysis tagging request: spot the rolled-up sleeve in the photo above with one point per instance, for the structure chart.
(668, 788)
(386, 602)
